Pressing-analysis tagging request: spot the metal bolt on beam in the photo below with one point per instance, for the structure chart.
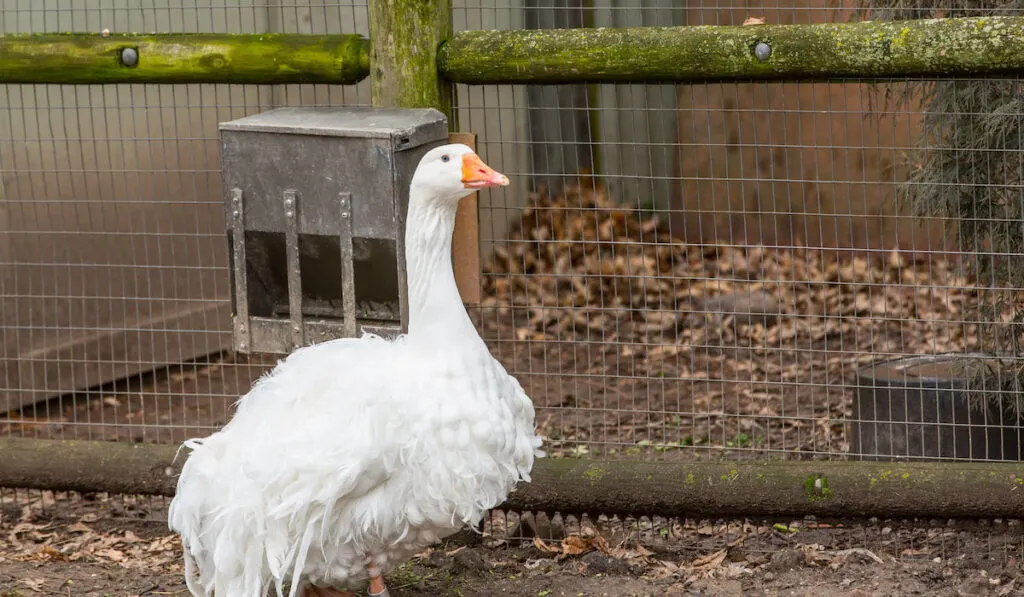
(762, 51)
(129, 57)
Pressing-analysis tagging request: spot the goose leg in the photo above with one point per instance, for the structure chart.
(377, 588)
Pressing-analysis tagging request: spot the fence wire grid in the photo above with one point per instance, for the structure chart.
(684, 272)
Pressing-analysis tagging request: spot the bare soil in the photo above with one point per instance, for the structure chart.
(95, 546)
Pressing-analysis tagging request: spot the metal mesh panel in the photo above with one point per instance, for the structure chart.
(683, 272)
(705, 270)
(733, 312)
(115, 292)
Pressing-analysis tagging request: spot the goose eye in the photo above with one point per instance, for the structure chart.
(445, 158)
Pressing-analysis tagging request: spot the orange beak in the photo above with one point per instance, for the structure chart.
(478, 175)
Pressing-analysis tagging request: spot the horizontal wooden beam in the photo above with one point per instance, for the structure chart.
(90, 466)
(921, 48)
(776, 488)
(262, 58)
(793, 488)
(967, 47)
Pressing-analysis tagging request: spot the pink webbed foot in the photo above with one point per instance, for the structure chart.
(377, 588)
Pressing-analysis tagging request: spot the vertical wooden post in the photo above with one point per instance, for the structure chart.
(404, 38)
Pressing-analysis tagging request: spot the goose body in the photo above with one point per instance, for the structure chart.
(354, 454)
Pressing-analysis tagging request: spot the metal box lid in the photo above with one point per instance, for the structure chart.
(408, 127)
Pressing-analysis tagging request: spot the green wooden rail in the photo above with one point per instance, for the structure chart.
(774, 488)
(925, 48)
(870, 49)
(264, 58)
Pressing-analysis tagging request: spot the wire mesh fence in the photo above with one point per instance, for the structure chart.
(736, 255)
(115, 265)
(734, 318)
(684, 272)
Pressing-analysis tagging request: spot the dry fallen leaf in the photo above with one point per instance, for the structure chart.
(541, 545)
(36, 584)
(79, 527)
(113, 555)
(166, 543)
(575, 545)
(710, 561)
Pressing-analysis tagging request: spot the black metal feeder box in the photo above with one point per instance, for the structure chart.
(316, 201)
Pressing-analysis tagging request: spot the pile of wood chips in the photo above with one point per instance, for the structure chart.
(579, 265)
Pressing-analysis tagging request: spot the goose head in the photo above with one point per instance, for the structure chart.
(450, 172)
(444, 175)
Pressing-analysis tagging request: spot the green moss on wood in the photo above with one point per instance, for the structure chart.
(932, 47)
(775, 488)
(816, 487)
(594, 474)
(89, 466)
(405, 36)
(263, 58)
(411, 30)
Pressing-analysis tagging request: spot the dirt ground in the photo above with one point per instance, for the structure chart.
(96, 546)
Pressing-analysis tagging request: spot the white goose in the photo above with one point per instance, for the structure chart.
(354, 454)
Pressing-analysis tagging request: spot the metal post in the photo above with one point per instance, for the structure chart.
(348, 280)
(291, 241)
(241, 317)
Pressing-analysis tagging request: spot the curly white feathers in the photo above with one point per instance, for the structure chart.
(360, 447)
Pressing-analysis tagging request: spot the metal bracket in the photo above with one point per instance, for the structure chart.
(291, 243)
(348, 281)
(237, 223)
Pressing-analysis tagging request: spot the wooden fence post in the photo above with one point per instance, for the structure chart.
(404, 39)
